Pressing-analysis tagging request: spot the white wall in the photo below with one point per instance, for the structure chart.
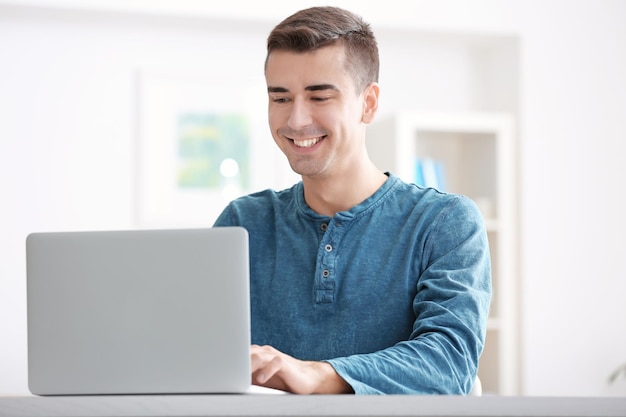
(574, 103)
(67, 134)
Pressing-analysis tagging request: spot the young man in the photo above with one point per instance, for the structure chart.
(359, 282)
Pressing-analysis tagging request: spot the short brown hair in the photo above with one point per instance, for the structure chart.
(317, 27)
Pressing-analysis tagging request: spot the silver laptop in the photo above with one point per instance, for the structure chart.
(138, 312)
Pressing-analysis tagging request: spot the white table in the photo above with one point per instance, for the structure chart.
(294, 405)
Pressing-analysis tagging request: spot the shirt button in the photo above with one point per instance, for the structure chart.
(328, 248)
(326, 273)
(324, 226)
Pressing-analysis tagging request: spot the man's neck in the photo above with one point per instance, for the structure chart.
(332, 194)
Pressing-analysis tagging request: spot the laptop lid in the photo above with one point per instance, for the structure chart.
(138, 312)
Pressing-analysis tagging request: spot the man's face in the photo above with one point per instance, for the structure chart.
(315, 114)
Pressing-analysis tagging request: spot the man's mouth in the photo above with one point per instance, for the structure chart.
(307, 143)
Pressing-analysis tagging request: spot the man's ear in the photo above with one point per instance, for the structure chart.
(370, 102)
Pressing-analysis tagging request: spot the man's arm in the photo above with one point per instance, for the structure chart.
(451, 308)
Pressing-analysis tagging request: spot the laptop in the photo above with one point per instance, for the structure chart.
(138, 312)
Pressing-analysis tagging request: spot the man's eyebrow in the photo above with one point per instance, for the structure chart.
(271, 89)
(319, 87)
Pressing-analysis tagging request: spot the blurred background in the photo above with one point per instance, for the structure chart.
(125, 114)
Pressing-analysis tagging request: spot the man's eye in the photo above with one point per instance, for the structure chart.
(319, 98)
(280, 100)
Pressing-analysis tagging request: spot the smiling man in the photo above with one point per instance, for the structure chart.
(317, 116)
(359, 282)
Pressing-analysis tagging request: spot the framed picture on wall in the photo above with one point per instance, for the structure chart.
(196, 147)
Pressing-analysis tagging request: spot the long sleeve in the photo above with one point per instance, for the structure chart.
(451, 308)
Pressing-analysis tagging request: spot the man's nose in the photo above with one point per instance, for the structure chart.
(300, 115)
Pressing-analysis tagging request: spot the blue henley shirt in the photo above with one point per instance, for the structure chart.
(393, 293)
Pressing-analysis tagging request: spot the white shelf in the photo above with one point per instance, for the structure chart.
(476, 152)
(491, 225)
(494, 323)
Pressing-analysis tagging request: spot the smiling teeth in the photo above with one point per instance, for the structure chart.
(307, 143)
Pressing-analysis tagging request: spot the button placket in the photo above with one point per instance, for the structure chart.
(326, 280)
(327, 256)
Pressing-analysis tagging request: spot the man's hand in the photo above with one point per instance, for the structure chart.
(274, 369)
